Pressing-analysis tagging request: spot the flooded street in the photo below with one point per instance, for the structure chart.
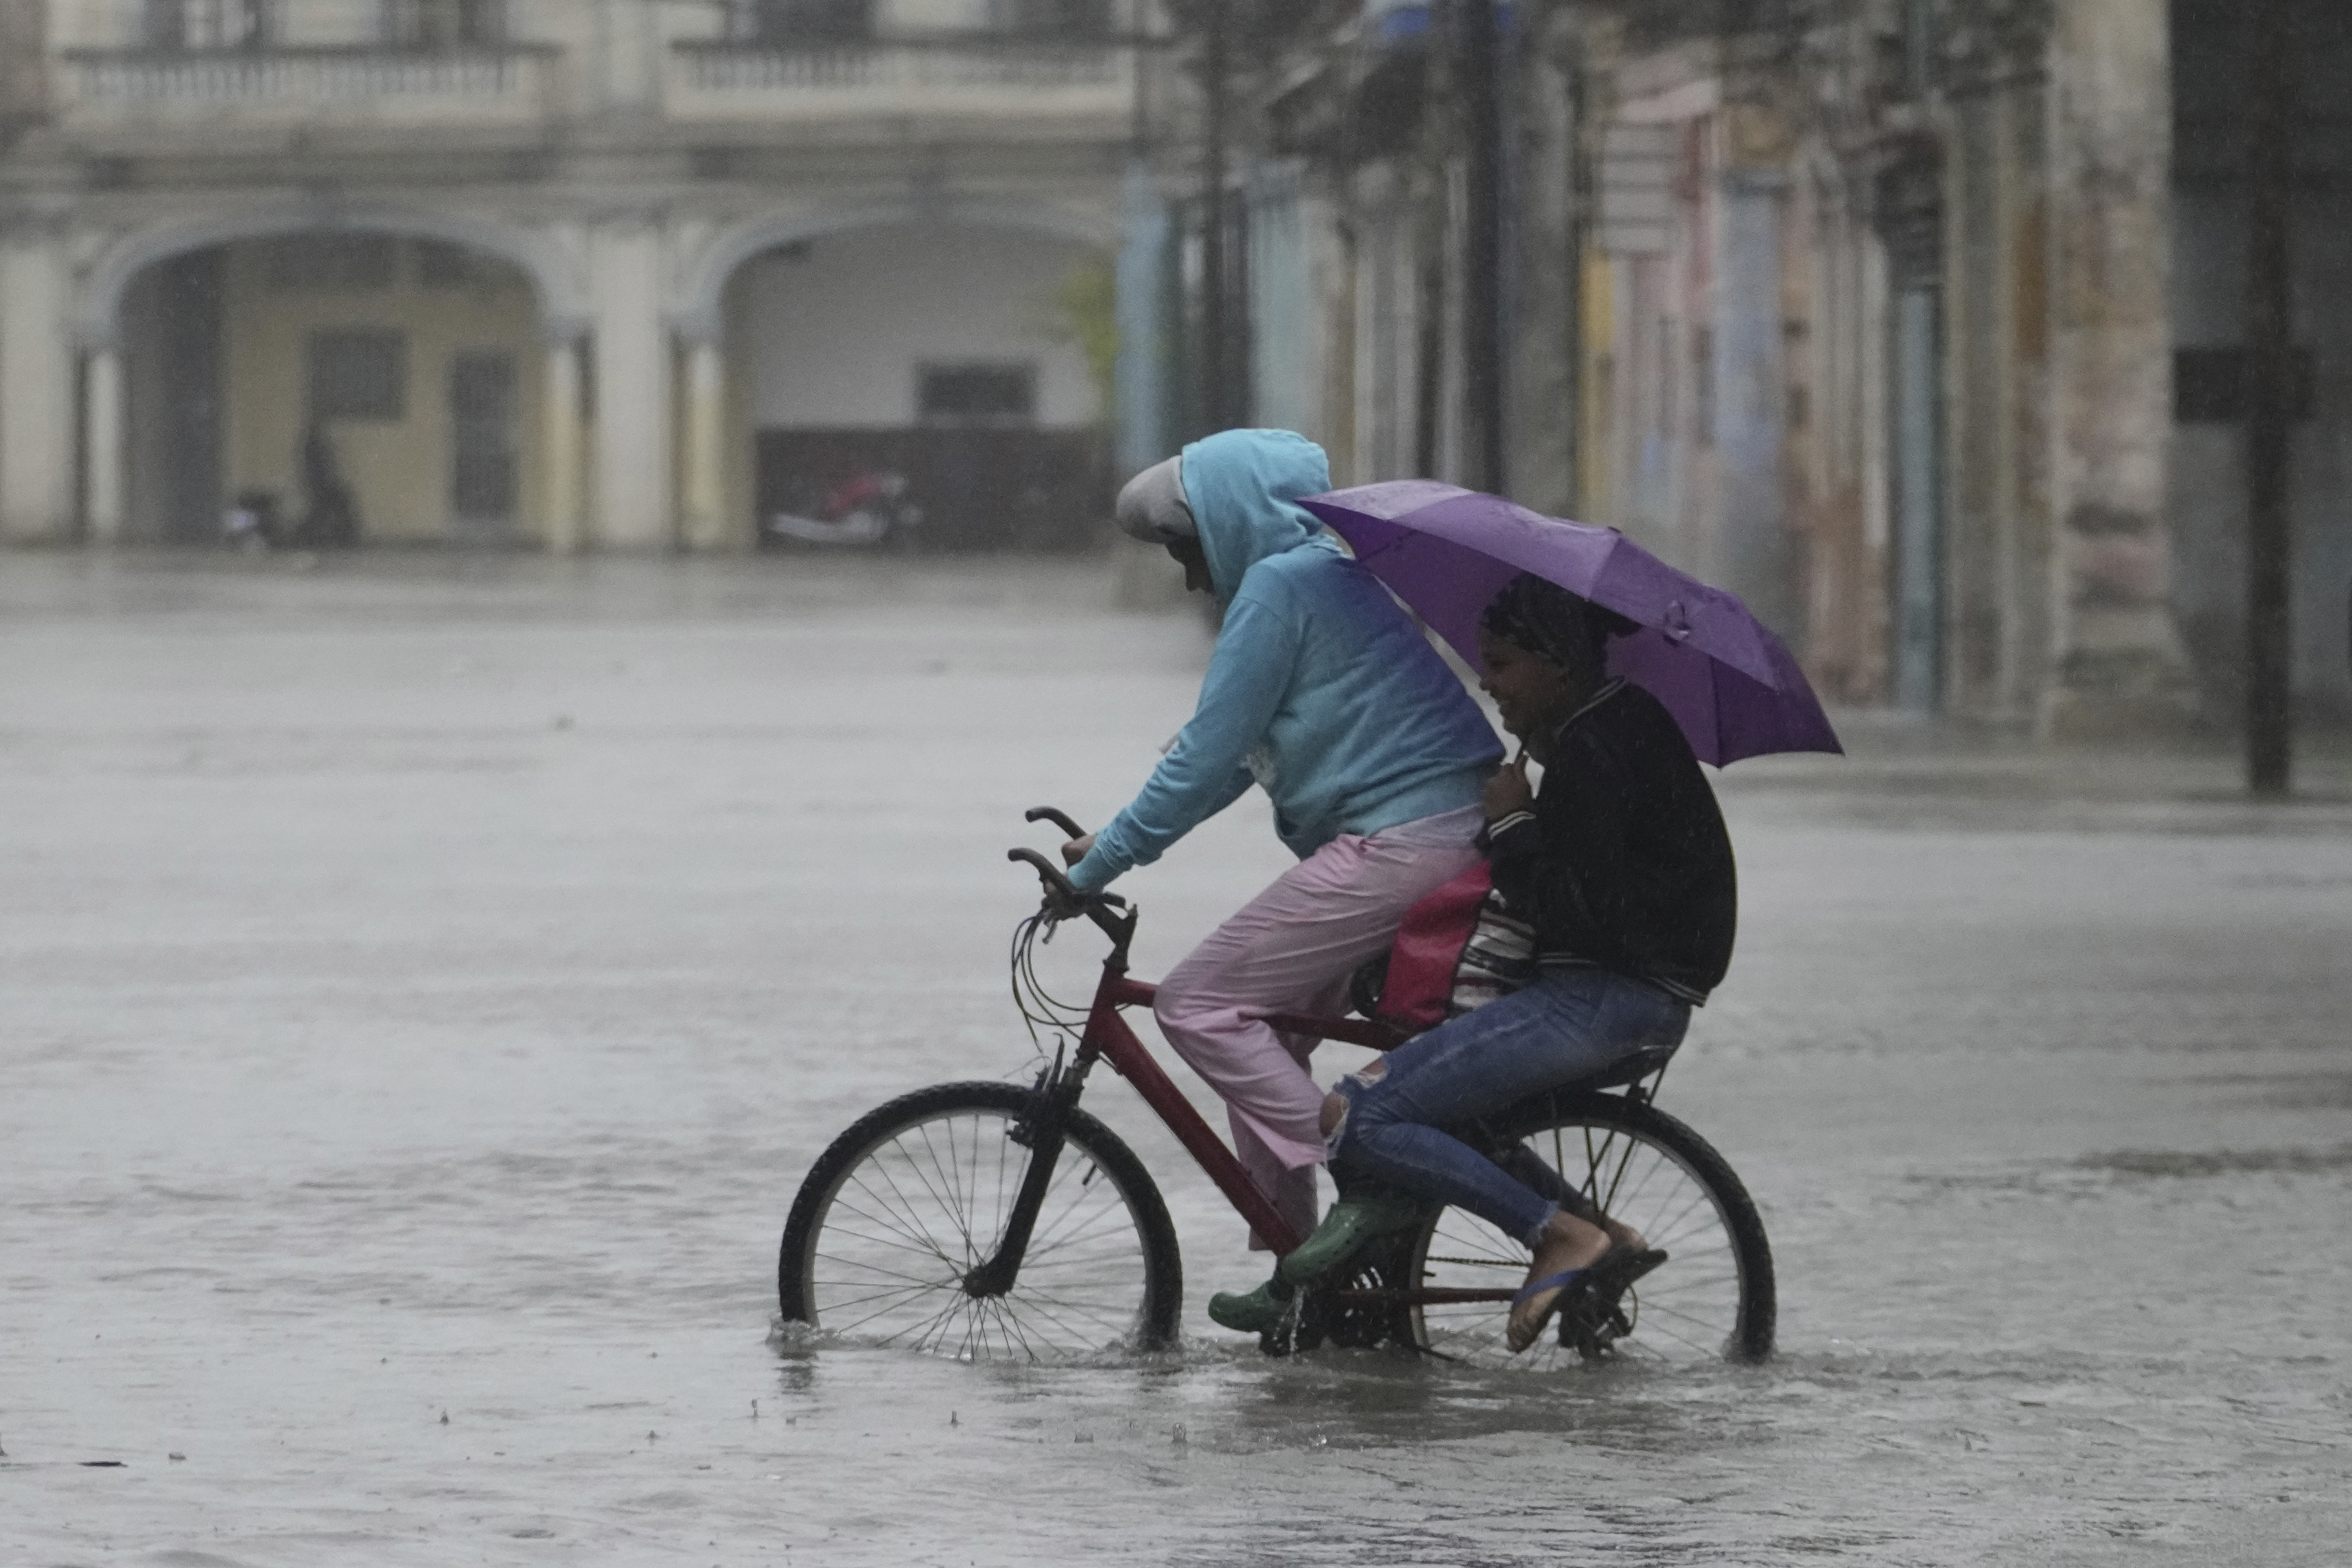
(427, 981)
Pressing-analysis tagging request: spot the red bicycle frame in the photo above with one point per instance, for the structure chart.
(1108, 1037)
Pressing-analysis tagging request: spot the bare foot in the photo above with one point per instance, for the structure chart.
(1568, 1243)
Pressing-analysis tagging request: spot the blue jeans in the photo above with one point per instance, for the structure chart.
(1570, 1024)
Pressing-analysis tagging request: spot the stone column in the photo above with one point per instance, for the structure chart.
(561, 431)
(634, 440)
(37, 402)
(705, 523)
(102, 442)
(2119, 661)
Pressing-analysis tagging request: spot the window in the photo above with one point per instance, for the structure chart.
(799, 21)
(441, 264)
(977, 393)
(179, 25)
(484, 465)
(1637, 189)
(357, 375)
(430, 25)
(2209, 386)
(332, 261)
(1064, 19)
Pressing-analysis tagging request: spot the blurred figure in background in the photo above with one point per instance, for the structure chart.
(331, 519)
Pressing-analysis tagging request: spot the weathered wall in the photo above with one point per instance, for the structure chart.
(2118, 656)
(37, 387)
(832, 332)
(1834, 283)
(2001, 430)
(23, 80)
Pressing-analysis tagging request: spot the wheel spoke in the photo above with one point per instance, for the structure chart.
(942, 1191)
(916, 1240)
(893, 1200)
(955, 1282)
(888, 1311)
(915, 1172)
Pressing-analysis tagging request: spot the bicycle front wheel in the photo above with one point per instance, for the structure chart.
(898, 1212)
(1712, 1299)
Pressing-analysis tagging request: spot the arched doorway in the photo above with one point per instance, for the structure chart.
(329, 385)
(964, 353)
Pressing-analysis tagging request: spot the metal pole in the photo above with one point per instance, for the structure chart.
(1578, 235)
(1482, 314)
(2270, 396)
(1216, 391)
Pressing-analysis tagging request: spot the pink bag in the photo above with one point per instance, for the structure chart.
(1459, 948)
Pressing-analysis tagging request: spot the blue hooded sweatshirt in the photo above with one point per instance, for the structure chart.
(1320, 688)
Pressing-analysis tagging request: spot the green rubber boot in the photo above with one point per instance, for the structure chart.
(1350, 1223)
(1256, 1311)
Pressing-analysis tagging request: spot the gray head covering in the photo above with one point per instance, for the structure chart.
(1152, 507)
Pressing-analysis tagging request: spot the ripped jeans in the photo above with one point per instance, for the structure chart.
(1570, 1024)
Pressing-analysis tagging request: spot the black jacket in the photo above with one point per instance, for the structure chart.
(1624, 862)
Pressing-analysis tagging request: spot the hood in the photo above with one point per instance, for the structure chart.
(1244, 488)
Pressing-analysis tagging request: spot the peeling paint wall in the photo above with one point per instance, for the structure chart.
(2119, 658)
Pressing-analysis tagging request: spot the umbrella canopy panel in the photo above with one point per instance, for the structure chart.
(1447, 552)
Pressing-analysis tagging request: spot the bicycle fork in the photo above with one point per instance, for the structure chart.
(1051, 1100)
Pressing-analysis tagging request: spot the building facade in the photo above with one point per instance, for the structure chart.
(1913, 321)
(550, 272)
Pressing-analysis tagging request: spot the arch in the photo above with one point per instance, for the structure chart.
(97, 315)
(697, 316)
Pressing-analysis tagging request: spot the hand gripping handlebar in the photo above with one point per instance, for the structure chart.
(1058, 886)
(1059, 889)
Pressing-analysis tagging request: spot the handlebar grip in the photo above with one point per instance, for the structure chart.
(1059, 819)
(1059, 883)
(1047, 870)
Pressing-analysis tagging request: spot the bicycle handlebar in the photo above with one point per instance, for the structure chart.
(1047, 873)
(1059, 819)
(1063, 897)
(1059, 886)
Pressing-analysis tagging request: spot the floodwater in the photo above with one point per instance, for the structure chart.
(427, 980)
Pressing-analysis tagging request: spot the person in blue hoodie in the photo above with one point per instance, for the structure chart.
(1322, 691)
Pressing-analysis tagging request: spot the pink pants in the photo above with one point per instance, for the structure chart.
(1292, 949)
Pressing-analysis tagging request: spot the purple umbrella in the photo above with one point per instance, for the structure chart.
(1447, 552)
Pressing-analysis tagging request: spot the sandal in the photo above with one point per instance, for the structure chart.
(1605, 1278)
(1560, 1284)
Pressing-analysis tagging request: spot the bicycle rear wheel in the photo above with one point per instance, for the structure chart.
(915, 1195)
(1713, 1297)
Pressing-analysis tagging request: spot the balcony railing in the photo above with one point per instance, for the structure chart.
(1021, 77)
(372, 81)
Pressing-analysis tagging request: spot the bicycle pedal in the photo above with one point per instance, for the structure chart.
(1594, 1329)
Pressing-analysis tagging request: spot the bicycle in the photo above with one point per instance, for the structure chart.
(989, 1221)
